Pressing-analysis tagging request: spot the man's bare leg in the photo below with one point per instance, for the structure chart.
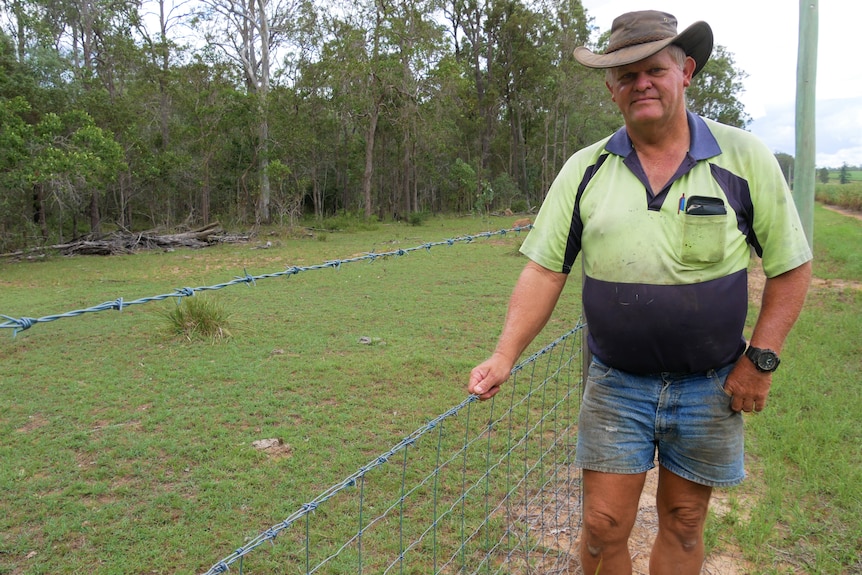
(682, 507)
(610, 510)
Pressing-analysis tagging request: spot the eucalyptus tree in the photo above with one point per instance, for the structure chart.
(373, 57)
(71, 159)
(374, 86)
(524, 59)
(159, 26)
(714, 92)
(417, 41)
(60, 160)
(311, 129)
(248, 33)
(333, 87)
(472, 29)
(579, 109)
(16, 199)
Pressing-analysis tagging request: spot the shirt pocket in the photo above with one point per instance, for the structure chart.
(704, 230)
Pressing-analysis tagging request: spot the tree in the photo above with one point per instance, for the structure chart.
(824, 175)
(366, 105)
(465, 183)
(786, 161)
(714, 92)
(15, 134)
(60, 162)
(844, 174)
(247, 33)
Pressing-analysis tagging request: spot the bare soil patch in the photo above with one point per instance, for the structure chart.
(844, 211)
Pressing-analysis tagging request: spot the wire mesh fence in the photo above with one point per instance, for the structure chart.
(487, 487)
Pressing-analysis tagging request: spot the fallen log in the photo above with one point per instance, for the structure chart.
(125, 242)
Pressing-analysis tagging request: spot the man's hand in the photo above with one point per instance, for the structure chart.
(533, 299)
(486, 378)
(747, 386)
(782, 301)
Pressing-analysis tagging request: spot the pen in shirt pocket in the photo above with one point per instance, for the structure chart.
(681, 206)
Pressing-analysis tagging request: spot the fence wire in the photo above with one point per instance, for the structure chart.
(17, 324)
(486, 487)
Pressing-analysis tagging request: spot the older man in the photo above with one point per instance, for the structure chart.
(665, 213)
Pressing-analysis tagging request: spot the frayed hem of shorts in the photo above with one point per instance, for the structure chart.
(703, 481)
(603, 469)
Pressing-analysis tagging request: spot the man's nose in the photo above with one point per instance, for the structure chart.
(642, 81)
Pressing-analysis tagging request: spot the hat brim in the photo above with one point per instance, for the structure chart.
(696, 41)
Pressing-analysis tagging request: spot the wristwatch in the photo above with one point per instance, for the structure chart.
(763, 359)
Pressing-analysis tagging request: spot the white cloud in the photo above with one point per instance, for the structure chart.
(849, 156)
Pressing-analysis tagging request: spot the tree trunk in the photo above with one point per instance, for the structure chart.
(263, 110)
(39, 204)
(369, 159)
(406, 196)
(316, 195)
(205, 194)
(263, 215)
(95, 221)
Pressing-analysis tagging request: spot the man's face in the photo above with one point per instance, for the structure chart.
(652, 90)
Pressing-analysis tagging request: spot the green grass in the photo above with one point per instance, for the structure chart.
(799, 511)
(847, 195)
(128, 450)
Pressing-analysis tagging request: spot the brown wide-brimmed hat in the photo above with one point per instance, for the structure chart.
(639, 35)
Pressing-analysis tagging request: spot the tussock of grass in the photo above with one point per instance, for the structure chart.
(198, 317)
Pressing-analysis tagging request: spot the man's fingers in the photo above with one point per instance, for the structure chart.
(478, 383)
(747, 405)
(482, 384)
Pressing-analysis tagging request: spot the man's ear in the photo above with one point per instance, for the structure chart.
(611, 90)
(688, 70)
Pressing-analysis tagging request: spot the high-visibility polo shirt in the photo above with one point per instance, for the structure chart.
(666, 286)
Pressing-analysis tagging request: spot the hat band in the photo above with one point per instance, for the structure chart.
(635, 41)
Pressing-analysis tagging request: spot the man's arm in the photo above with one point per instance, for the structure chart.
(532, 302)
(782, 301)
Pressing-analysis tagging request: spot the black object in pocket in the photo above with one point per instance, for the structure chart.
(704, 230)
(705, 206)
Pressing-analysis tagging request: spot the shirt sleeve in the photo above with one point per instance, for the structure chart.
(555, 239)
(776, 221)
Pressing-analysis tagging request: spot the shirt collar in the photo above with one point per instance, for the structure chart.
(703, 144)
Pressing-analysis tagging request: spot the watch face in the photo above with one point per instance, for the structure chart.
(767, 361)
(763, 359)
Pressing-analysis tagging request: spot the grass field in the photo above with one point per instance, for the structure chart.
(848, 196)
(128, 450)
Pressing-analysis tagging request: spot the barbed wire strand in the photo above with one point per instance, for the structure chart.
(23, 323)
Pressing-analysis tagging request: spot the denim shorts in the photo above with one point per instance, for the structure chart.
(625, 418)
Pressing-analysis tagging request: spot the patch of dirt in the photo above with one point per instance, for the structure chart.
(33, 422)
(844, 211)
(834, 284)
(757, 280)
(274, 447)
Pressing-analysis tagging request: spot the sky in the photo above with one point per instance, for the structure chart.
(762, 36)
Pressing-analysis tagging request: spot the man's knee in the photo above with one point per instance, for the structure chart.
(603, 530)
(686, 524)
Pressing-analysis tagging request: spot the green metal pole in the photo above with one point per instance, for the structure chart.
(806, 82)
